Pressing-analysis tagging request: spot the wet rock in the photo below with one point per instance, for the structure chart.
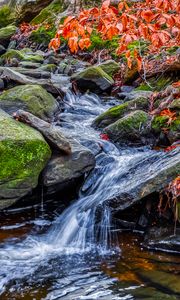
(24, 153)
(165, 281)
(51, 133)
(163, 239)
(62, 170)
(6, 33)
(35, 73)
(150, 174)
(29, 65)
(2, 50)
(110, 67)
(32, 98)
(29, 8)
(26, 55)
(94, 79)
(133, 129)
(119, 111)
(19, 78)
(48, 68)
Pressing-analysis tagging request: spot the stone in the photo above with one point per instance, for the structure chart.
(173, 130)
(148, 174)
(132, 129)
(34, 73)
(119, 111)
(24, 154)
(93, 79)
(32, 98)
(28, 8)
(164, 280)
(6, 33)
(14, 76)
(163, 239)
(29, 65)
(51, 133)
(22, 55)
(62, 170)
(110, 67)
(2, 50)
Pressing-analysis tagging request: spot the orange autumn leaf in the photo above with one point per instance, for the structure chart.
(84, 43)
(147, 15)
(73, 44)
(54, 44)
(129, 60)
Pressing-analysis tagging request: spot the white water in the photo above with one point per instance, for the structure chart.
(77, 230)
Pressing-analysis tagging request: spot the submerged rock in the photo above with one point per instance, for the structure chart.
(62, 171)
(163, 239)
(6, 33)
(134, 129)
(24, 154)
(32, 98)
(94, 79)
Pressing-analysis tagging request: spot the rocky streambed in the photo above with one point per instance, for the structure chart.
(63, 138)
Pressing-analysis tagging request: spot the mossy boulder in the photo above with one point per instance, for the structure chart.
(24, 153)
(6, 33)
(32, 98)
(156, 84)
(94, 79)
(48, 14)
(6, 16)
(131, 129)
(119, 111)
(26, 10)
(110, 67)
(21, 56)
(172, 130)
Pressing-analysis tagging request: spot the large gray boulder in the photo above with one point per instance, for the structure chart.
(6, 33)
(150, 173)
(24, 153)
(62, 171)
(94, 79)
(133, 128)
(117, 112)
(32, 98)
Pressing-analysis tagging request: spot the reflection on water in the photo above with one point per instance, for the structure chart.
(132, 274)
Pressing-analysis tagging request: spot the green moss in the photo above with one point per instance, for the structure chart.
(110, 67)
(32, 98)
(43, 35)
(92, 73)
(140, 45)
(128, 128)
(98, 43)
(6, 16)
(48, 14)
(161, 122)
(21, 55)
(119, 111)
(155, 84)
(7, 32)
(23, 152)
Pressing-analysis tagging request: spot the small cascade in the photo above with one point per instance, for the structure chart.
(85, 226)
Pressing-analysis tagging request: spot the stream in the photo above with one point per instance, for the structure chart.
(77, 253)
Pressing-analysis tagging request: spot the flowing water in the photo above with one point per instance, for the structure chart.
(76, 254)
